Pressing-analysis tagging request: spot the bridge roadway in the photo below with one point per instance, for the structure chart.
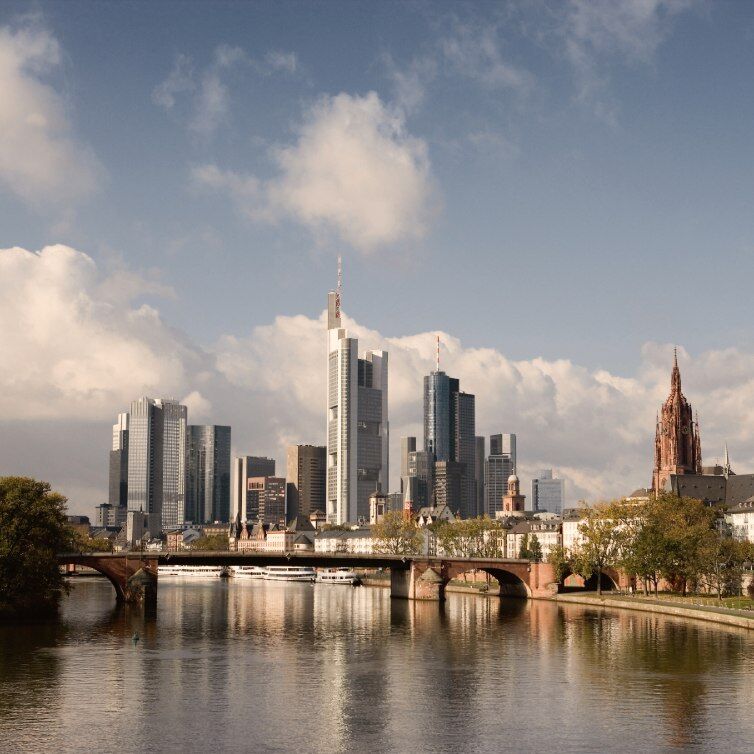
(134, 574)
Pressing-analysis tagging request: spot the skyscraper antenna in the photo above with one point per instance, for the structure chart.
(437, 355)
(339, 289)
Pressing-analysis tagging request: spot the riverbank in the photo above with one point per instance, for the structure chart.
(711, 613)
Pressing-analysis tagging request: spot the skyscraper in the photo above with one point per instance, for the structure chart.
(266, 499)
(547, 492)
(418, 482)
(450, 436)
(357, 421)
(408, 445)
(157, 461)
(118, 471)
(245, 468)
(479, 475)
(500, 464)
(306, 469)
(208, 487)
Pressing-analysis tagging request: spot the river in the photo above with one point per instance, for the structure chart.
(262, 666)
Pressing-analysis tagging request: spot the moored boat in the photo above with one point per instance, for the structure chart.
(247, 572)
(338, 576)
(289, 573)
(201, 572)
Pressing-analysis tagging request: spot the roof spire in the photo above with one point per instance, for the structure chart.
(726, 461)
(675, 379)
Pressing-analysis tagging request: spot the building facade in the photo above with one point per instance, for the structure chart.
(243, 469)
(500, 464)
(306, 472)
(357, 422)
(547, 493)
(208, 483)
(678, 448)
(266, 500)
(118, 471)
(157, 447)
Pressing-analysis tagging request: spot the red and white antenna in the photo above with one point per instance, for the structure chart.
(437, 355)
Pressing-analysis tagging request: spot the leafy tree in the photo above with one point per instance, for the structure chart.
(558, 558)
(33, 530)
(535, 549)
(213, 542)
(397, 534)
(600, 541)
(92, 544)
(480, 537)
(524, 552)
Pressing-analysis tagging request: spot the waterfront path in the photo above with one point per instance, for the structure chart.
(714, 613)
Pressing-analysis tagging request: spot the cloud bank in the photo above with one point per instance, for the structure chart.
(75, 354)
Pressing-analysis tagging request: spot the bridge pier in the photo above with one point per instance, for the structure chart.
(133, 576)
(416, 583)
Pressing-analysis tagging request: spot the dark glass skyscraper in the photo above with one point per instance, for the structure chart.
(450, 437)
(208, 488)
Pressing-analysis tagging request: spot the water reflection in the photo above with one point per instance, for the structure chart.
(252, 665)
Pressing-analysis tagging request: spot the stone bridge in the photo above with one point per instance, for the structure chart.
(134, 574)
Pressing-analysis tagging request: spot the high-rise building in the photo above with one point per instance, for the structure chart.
(408, 445)
(306, 470)
(245, 468)
(266, 499)
(678, 448)
(449, 478)
(208, 485)
(450, 436)
(479, 475)
(157, 461)
(118, 472)
(500, 464)
(547, 492)
(357, 421)
(418, 482)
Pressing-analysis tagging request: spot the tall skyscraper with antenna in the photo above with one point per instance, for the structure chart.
(357, 420)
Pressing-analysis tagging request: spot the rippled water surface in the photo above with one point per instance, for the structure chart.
(264, 666)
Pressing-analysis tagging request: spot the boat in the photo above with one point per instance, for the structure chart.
(338, 576)
(289, 573)
(247, 572)
(190, 571)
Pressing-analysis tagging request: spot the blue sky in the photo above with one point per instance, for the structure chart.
(554, 181)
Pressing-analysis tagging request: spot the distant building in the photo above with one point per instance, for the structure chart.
(479, 460)
(547, 492)
(266, 500)
(157, 451)
(104, 515)
(498, 467)
(357, 422)
(741, 520)
(450, 438)
(381, 503)
(513, 501)
(306, 472)
(408, 445)
(354, 541)
(118, 470)
(208, 487)
(547, 532)
(417, 484)
(245, 468)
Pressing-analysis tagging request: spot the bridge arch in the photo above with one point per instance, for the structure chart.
(609, 580)
(117, 570)
(512, 584)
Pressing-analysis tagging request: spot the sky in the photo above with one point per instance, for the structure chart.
(562, 190)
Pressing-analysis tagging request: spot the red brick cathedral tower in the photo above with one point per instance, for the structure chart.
(678, 449)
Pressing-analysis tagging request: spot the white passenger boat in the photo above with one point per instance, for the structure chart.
(338, 576)
(289, 573)
(247, 572)
(196, 572)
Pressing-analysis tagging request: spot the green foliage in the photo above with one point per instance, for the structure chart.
(212, 543)
(524, 552)
(472, 538)
(559, 560)
(535, 549)
(397, 534)
(33, 530)
(91, 544)
(600, 541)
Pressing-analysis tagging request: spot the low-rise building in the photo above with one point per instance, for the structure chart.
(547, 532)
(352, 541)
(741, 520)
(432, 514)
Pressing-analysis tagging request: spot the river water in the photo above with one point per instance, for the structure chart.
(265, 666)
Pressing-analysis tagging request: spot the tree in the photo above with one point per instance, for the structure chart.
(397, 534)
(33, 530)
(524, 553)
(558, 558)
(471, 538)
(535, 549)
(600, 540)
(92, 544)
(213, 542)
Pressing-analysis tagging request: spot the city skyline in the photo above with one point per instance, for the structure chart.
(496, 128)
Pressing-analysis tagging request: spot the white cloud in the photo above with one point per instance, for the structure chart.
(207, 94)
(75, 354)
(73, 345)
(596, 31)
(354, 170)
(41, 161)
